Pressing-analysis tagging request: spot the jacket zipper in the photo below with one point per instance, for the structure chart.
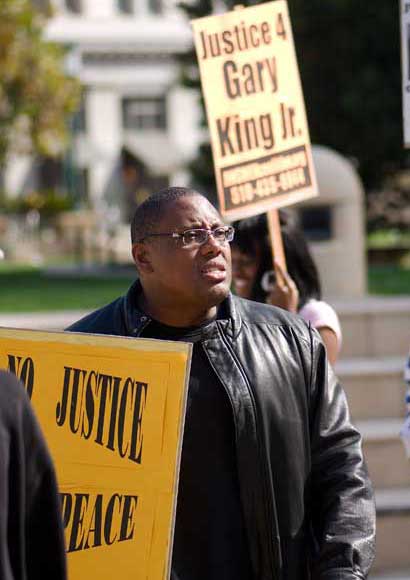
(268, 497)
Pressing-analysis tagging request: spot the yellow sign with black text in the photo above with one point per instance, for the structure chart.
(255, 108)
(112, 411)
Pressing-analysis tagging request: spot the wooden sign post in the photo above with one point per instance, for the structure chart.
(275, 234)
(255, 109)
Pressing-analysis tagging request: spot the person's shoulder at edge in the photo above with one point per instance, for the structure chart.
(405, 430)
(34, 492)
(15, 405)
(17, 416)
(12, 394)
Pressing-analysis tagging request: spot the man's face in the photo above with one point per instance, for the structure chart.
(197, 276)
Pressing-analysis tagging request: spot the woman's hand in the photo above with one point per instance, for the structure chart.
(285, 293)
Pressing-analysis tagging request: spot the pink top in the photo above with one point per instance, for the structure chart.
(321, 315)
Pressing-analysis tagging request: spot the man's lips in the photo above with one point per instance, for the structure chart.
(214, 271)
(212, 267)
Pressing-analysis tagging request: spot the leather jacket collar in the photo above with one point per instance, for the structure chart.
(136, 320)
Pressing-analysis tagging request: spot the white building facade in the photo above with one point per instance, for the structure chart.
(138, 127)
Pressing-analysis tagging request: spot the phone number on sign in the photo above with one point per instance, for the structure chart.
(267, 186)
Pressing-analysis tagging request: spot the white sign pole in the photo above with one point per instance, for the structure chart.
(405, 63)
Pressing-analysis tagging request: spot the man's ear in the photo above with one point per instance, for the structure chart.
(142, 258)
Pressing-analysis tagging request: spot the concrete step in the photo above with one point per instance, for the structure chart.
(391, 575)
(374, 325)
(374, 386)
(393, 533)
(384, 453)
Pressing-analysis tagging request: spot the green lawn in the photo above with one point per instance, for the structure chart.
(389, 280)
(31, 290)
(27, 289)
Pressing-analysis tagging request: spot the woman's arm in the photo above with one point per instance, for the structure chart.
(331, 343)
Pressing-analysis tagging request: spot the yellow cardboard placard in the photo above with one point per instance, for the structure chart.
(255, 108)
(112, 411)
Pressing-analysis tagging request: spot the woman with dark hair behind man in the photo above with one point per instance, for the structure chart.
(297, 290)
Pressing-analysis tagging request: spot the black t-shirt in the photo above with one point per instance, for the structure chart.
(210, 539)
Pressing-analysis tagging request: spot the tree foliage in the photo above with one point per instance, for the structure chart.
(349, 61)
(36, 96)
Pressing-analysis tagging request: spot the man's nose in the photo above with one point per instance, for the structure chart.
(211, 245)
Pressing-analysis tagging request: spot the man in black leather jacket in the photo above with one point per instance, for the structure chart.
(273, 484)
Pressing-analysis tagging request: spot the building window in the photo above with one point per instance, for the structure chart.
(155, 6)
(144, 113)
(125, 6)
(74, 6)
(317, 223)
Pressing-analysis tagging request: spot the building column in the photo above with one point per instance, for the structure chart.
(19, 175)
(184, 130)
(103, 113)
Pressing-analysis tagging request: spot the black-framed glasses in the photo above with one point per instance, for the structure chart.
(198, 236)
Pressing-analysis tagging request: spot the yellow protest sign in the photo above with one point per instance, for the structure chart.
(255, 108)
(112, 412)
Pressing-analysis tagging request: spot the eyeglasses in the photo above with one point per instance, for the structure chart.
(198, 236)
